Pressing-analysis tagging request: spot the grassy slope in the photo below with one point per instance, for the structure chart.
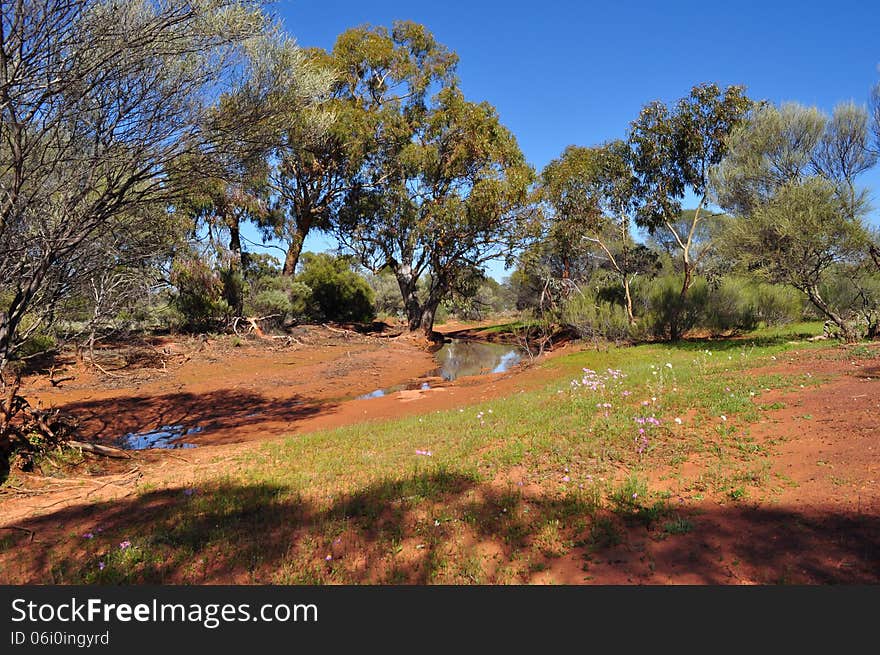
(507, 485)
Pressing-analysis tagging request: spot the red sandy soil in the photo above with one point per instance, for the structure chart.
(257, 392)
(823, 526)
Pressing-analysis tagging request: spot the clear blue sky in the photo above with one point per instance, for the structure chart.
(564, 72)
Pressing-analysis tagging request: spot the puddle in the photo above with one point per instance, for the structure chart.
(378, 393)
(167, 436)
(460, 358)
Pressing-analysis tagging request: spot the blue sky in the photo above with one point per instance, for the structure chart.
(565, 73)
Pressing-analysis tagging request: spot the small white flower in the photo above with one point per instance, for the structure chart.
(678, 421)
(723, 417)
(668, 365)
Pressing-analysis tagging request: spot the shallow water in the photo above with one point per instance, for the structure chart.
(167, 436)
(461, 358)
(378, 393)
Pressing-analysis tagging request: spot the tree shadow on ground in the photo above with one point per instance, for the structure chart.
(437, 526)
(735, 343)
(221, 414)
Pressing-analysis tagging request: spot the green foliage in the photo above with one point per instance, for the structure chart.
(729, 306)
(386, 294)
(453, 180)
(675, 147)
(488, 297)
(199, 297)
(280, 297)
(260, 265)
(786, 145)
(338, 292)
(668, 315)
(37, 344)
(774, 304)
(857, 290)
(594, 319)
(790, 178)
(233, 285)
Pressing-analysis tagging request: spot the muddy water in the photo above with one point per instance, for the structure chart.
(460, 358)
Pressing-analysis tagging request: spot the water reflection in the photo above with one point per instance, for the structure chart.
(460, 358)
(167, 436)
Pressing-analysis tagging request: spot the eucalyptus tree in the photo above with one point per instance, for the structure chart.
(444, 187)
(591, 194)
(674, 150)
(98, 99)
(230, 182)
(378, 77)
(790, 179)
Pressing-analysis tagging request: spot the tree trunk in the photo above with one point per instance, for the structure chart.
(627, 294)
(429, 312)
(294, 249)
(819, 302)
(675, 328)
(291, 259)
(874, 251)
(235, 242)
(408, 285)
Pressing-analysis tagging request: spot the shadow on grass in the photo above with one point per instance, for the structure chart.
(436, 526)
(222, 410)
(725, 344)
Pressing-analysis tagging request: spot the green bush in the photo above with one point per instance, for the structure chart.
(592, 318)
(665, 309)
(730, 308)
(37, 344)
(386, 294)
(855, 293)
(282, 298)
(776, 304)
(338, 292)
(199, 297)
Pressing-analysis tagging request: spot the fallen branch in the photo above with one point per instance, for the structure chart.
(30, 532)
(106, 372)
(96, 449)
(340, 331)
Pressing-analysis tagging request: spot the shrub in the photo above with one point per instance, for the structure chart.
(595, 319)
(386, 294)
(199, 296)
(282, 298)
(730, 308)
(37, 344)
(776, 304)
(665, 307)
(338, 292)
